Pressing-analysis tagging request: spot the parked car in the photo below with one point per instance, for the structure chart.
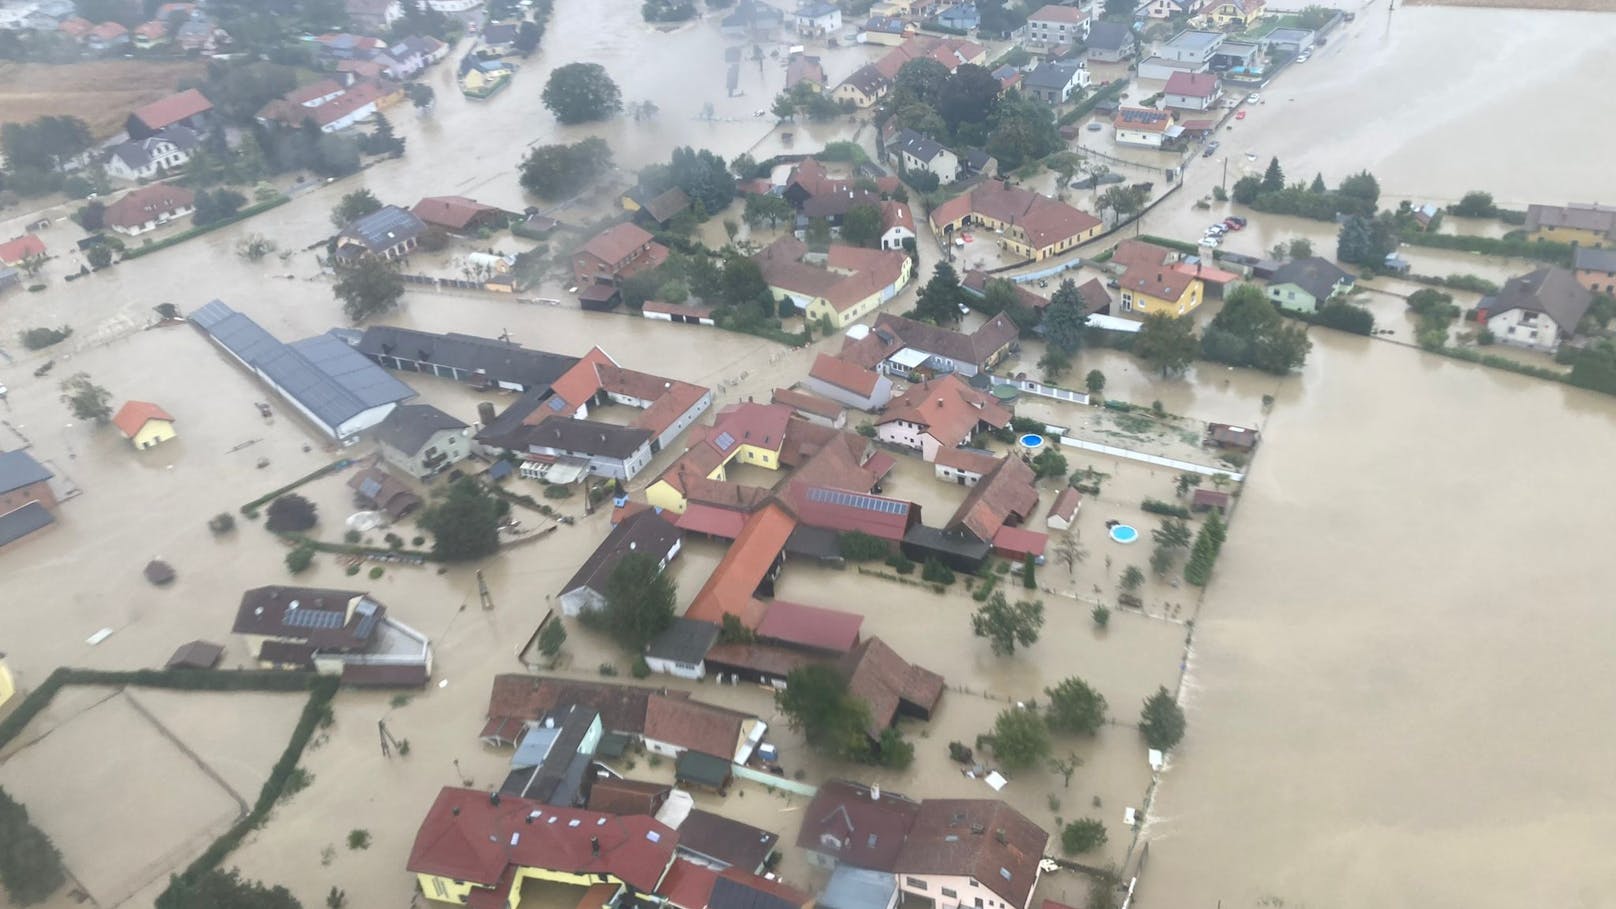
(1240, 115)
(1254, 98)
(1234, 222)
(1211, 240)
(1211, 147)
(1217, 230)
(1303, 58)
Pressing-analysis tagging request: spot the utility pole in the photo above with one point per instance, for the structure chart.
(1225, 183)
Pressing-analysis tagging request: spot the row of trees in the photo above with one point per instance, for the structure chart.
(553, 171)
(1021, 736)
(1357, 194)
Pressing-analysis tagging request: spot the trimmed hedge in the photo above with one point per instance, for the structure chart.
(333, 467)
(182, 236)
(1179, 245)
(1157, 506)
(1091, 102)
(1542, 250)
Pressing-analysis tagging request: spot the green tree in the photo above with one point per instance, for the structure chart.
(552, 639)
(639, 602)
(1365, 241)
(1049, 463)
(368, 287)
(300, 558)
(87, 400)
(1029, 576)
(743, 281)
(1300, 248)
(861, 226)
(703, 176)
(553, 171)
(216, 889)
(1249, 331)
(1317, 186)
(1005, 625)
(816, 703)
(784, 107)
(1055, 364)
(1081, 836)
(465, 523)
(581, 92)
(1075, 707)
(45, 143)
(1132, 578)
(767, 208)
(1476, 204)
(743, 166)
(922, 118)
(970, 95)
(1020, 738)
(382, 140)
(99, 256)
(30, 867)
(1161, 721)
(1065, 322)
(1021, 129)
(1274, 178)
(1246, 189)
(939, 301)
(1094, 382)
(291, 513)
(1362, 185)
(1173, 534)
(920, 81)
(355, 205)
(1167, 343)
(858, 546)
(1126, 200)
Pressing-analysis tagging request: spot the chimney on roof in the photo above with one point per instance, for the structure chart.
(493, 798)
(594, 845)
(875, 792)
(455, 811)
(999, 835)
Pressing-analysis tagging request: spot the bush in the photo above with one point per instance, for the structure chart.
(223, 522)
(901, 564)
(358, 839)
(1157, 506)
(1344, 316)
(936, 572)
(959, 753)
(557, 492)
(352, 536)
(641, 668)
(299, 559)
(857, 546)
(376, 572)
(41, 338)
(1101, 616)
(1082, 836)
(291, 513)
(30, 867)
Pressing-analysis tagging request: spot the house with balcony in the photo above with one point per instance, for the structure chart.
(422, 441)
(1540, 310)
(334, 632)
(142, 159)
(1055, 24)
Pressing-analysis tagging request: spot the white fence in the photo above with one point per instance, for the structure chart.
(778, 782)
(1045, 391)
(1130, 455)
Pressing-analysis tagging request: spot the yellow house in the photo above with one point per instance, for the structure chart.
(864, 87)
(1148, 289)
(853, 284)
(475, 848)
(1028, 224)
(744, 433)
(1244, 12)
(1581, 224)
(144, 424)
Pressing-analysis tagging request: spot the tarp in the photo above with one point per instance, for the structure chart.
(909, 357)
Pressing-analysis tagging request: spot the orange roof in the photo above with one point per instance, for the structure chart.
(451, 212)
(1045, 221)
(897, 214)
(1157, 281)
(14, 251)
(136, 414)
(844, 374)
(615, 244)
(1066, 504)
(948, 408)
(1207, 273)
(733, 585)
(1054, 13)
(688, 885)
(806, 402)
(575, 386)
(168, 111)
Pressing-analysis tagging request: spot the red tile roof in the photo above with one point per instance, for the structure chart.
(617, 243)
(313, 91)
(810, 626)
(15, 251)
(849, 823)
(694, 725)
(969, 460)
(451, 212)
(688, 885)
(106, 31)
(881, 678)
(711, 520)
(1045, 221)
(466, 837)
(731, 588)
(172, 109)
(1054, 13)
(841, 508)
(1192, 85)
(135, 414)
(1066, 504)
(139, 206)
(845, 375)
(1018, 542)
(1005, 495)
(947, 408)
(1003, 858)
(805, 402)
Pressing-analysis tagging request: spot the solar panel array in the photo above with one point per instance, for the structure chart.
(323, 619)
(855, 500)
(724, 441)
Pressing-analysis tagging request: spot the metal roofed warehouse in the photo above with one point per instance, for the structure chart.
(327, 381)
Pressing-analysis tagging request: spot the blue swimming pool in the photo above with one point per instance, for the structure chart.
(1124, 533)
(1032, 440)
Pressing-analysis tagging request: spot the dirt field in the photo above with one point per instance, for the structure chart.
(102, 92)
(118, 823)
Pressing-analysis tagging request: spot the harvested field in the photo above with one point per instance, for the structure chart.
(102, 92)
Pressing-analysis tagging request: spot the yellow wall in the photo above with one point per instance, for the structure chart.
(753, 454)
(1571, 235)
(8, 685)
(849, 93)
(154, 432)
(661, 494)
(456, 892)
(1191, 298)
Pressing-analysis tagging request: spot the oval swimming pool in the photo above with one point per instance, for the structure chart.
(1124, 533)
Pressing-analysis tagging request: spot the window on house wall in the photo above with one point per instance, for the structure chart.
(950, 894)
(437, 886)
(916, 883)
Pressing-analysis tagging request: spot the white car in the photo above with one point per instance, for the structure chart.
(1211, 240)
(1303, 58)
(1217, 230)
(1254, 98)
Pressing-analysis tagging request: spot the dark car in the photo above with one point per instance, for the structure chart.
(1210, 148)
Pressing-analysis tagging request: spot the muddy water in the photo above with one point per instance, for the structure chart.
(1381, 714)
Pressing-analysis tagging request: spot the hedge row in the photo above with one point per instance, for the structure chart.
(355, 548)
(1157, 506)
(1542, 250)
(184, 235)
(333, 467)
(1092, 101)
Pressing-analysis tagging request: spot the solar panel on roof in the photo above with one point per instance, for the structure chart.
(724, 441)
(855, 500)
(323, 619)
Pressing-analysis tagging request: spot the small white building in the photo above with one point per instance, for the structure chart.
(818, 18)
(681, 650)
(143, 159)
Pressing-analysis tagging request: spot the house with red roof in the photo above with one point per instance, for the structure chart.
(856, 825)
(848, 383)
(745, 432)
(1031, 225)
(829, 632)
(848, 284)
(747, 571)
(675, 725)
(16, 251)
(971, 846)
(1191, 91)
(149, 208)
(189, 108)
(939, 414)
(615, 253)
(811, 407)
(478, 849)
(890, 685)
(460, 215)
(144, 424)
(897, 224)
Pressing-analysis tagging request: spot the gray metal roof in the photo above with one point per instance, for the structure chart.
(1053, 76)
(685, 641)
(19, 469)
(1108, 36)
(20, 522)
(385, 228)
(920, 146)
(410, 426)
(500, 361)
(327, 377)
(858, 888)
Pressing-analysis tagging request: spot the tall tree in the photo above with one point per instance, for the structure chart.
(1362, 185)
(639, 602)
(1274, 178)
(465, 523)
(87, 400)
(1065, 323)
(1020, 738)
(581, 92)
(355, 205)
(861, 226)
(1162, 721)
(967, 96)
(767, 208)
(30, 867)
(291, 513)
(920, 81)
(216, 889)
(1249, 331)
(1075, 707)
(939, 301)
(553, 171)
(1007, 626)
(1167, 343)
(816, 703)
(368, 287)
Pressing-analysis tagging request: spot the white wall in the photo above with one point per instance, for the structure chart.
(1524, 329)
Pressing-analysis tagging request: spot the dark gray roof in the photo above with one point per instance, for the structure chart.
(1050, 76)
(316, 616)
(917, 145)
(410, 426)
(729, 842)
(1315, 275)
(20, 522)
(643, 531)
(385, 228)
(729, 893)
(1593, 259)
(867, 79)
(500, 361)
(685, 641)
(19, 469)
(137, 153)
(587, 437)
(500, 33)
(1552, 291)
(696, 767)
(858, 888)
(1109, 36)
(327, 377)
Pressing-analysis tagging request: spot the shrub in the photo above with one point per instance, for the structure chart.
(300, 558)
(1344, 316)
(351, 570)
(291, 513)
(223, 522)
(375, 572)
(1101, 616)
(1082, 836)
(857, 546)
(641, 668)
(557, 492)
(959, 753)
(901, 564)
(41, 338)
(358, 839)
(353, 536)
(1157, 506)
(30, 867)
(937, 573)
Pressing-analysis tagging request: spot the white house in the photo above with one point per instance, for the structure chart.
(1054, 82)
(143, 159)
(916, 152)
(1191, 91)
(947, 863)
(422, 440)
(818, 18)
(848, 383)
(897, 224)
(1537, 310)
(1055, 24)
(1143, 126)
(674, 725)
(681, 650)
